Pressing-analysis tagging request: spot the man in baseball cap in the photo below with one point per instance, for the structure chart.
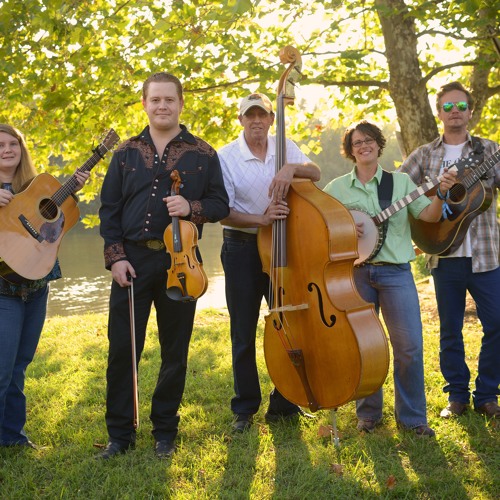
(257, 99)
(257, 197)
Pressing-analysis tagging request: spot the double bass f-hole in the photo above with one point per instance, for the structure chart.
(186, 278)
(333, 318)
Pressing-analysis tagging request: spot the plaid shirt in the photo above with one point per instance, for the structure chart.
(426, 162)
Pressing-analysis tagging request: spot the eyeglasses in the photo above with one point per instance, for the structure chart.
(367, 141)
(461, 106)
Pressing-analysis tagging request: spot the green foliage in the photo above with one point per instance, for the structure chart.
(65, 387)
(71, 70)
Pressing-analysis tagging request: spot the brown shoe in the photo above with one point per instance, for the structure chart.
(454, 409)
(490, 409)
(423, 431)
(367, 425)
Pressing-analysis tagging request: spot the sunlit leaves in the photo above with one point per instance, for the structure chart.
(71, 69)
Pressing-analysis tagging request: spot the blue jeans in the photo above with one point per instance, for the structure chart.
(20, 328)
(246, 285)
(452, 279)
(391, 288)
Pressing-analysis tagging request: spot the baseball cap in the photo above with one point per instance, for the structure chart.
(259, 100)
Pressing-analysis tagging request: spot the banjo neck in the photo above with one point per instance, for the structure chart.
(403, 202)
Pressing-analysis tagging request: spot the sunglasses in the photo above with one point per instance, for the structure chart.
(461, 106)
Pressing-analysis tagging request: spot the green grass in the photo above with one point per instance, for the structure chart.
(65, 387)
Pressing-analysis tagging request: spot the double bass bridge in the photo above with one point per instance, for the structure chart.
(289, 308)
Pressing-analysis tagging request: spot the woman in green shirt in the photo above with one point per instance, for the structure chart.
(386, 279)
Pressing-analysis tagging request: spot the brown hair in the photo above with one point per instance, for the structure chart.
(25, 171)
(366, 128)
(448, 87)
(162, 77)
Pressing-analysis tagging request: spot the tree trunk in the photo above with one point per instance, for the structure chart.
(406, 85)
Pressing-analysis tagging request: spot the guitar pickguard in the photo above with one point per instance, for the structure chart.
(51, 231)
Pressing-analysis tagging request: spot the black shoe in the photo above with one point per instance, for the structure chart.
(22, 444)
(114, 448)
(242, 423)
(272, 417)
(164, 449)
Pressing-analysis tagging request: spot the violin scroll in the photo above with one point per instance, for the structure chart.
(176, 183)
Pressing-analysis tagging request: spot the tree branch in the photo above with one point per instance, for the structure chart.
(351, 83)
(438, 70)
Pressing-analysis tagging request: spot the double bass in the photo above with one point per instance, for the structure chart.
(323, 344)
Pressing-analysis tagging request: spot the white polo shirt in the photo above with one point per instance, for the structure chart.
(247, 178)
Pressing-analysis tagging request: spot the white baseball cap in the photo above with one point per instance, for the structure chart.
(256, 99)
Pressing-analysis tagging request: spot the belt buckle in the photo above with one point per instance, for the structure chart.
(155, 244)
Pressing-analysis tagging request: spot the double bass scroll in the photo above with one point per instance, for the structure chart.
(324, 345)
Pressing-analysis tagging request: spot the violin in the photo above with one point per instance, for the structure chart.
(186, 278)
(323, 344)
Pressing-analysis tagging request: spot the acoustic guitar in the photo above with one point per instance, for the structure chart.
(372, 239)
(34, 223)
(468, 198)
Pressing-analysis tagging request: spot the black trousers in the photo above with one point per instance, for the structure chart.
(246, 285)
(175, 324)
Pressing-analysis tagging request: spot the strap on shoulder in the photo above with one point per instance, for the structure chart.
(385, 189)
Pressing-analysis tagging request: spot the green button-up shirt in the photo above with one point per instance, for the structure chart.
(397, 247)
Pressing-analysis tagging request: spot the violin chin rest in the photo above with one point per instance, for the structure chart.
(175, 293)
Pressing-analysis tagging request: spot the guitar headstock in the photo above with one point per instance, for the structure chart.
(108, 143)
(467, 162)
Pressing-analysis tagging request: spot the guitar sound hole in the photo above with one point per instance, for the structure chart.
(457, 193)
(48, 209)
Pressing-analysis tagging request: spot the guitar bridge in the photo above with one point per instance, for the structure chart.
(31, 230)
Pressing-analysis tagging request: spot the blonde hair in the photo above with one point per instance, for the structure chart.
(25, 171)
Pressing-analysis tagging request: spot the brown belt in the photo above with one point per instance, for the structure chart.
(238, 235)
(155, 245)
(376, 264)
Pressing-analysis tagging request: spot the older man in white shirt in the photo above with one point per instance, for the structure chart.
(256, 198)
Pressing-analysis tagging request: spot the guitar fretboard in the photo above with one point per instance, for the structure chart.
(69, 186)
(475, 174)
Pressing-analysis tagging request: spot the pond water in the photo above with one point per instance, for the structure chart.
(85, 285)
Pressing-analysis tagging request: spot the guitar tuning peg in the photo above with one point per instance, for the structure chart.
(427, 178)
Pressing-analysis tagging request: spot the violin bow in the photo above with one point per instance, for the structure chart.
(134, 355)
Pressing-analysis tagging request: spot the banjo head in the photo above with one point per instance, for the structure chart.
(370, 243)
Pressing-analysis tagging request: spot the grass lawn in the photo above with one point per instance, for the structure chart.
(65, 387)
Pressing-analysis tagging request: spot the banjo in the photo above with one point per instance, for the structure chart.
(370, 243)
